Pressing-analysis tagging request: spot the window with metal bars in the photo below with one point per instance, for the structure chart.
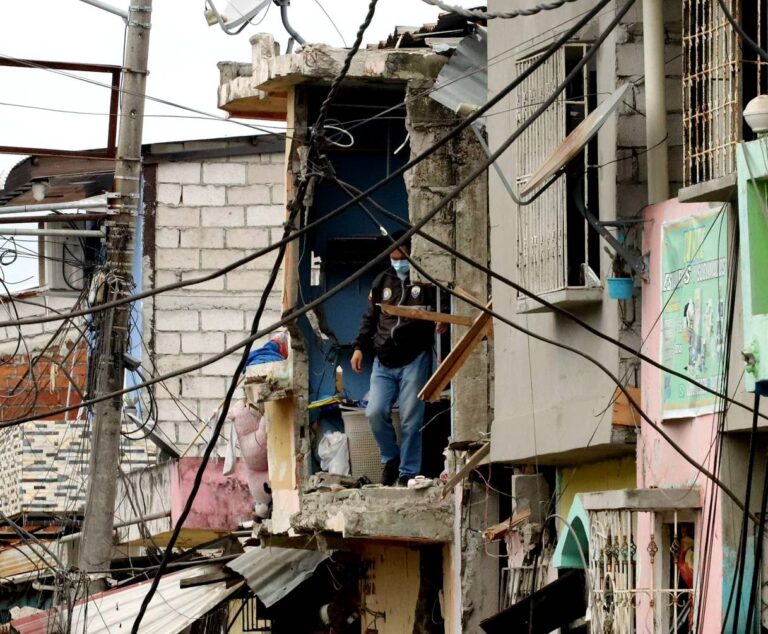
(719, 79)
(554, 241)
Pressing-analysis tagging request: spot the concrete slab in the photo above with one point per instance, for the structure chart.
(717, 190)
(378, 513)
(643, 499)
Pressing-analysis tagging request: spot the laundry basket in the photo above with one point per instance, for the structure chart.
(364, 455)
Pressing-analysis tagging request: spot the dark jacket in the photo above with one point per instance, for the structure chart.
(396, 340)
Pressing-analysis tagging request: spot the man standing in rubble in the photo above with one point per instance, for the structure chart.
(402, 363)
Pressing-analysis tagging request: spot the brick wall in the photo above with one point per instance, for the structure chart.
(208, 214)
(44, 462)
(34, 303)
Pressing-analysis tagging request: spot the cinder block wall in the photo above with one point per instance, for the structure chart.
(209, 213)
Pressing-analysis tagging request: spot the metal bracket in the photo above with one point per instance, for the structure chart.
(634, 260)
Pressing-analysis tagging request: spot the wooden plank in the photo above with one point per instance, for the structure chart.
(466, 295)
(456, 357)
(426, 315)
(462, 473)
(624, 413)
(497, 531)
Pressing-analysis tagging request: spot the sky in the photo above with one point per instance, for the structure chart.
(183, 55)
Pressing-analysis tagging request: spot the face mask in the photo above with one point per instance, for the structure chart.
(402, 267)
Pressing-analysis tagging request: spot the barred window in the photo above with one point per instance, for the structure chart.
(719, 79)
(554, 242)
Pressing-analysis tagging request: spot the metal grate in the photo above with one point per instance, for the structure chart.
(543, 231)
(616, 558)
(717, 82)
(251, 621)
(364, 455)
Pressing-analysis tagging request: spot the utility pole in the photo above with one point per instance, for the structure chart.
(655, 101)
(97, 539)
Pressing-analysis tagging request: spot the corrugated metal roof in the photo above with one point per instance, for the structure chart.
(19, 563)
(272, 573)
(464, 79)
(171, 610)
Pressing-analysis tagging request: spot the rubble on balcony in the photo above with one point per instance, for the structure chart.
(260, 88)
(378, 512)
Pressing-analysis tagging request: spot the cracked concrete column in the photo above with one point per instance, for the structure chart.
(463, 224)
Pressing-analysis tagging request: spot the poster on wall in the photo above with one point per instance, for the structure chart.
(694, 300)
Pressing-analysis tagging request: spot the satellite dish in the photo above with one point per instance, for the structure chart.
(576, 140)
(236, 13)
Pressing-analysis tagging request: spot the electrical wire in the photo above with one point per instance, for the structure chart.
(477, 14)
(120, 114)
(758, 559)
(455, 132)
(296, 208)
(742, 34)
(741, 559)
(123, 91)
(330, 19)
(633, 403)
(465, 182)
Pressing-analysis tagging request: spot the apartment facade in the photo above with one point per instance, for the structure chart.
(657, 539)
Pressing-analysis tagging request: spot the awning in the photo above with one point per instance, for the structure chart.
(272, 573)
(171, 610)
(555, 605)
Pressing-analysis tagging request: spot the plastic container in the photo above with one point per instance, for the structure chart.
(620, 287)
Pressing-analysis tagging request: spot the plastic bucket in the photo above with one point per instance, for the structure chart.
(620, 287)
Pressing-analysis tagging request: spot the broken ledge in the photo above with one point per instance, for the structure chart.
(378, 513)
(260, 89)
(568, 298)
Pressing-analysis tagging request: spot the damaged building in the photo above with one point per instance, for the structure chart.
(386, 112)
(589, 209)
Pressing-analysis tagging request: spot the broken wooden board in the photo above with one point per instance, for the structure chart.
(426, 315)
(456, 357)
(623, 412)
(471, 464)
(497, 531)
(467, 296)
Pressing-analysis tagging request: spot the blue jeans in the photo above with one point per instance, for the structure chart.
(401, 384)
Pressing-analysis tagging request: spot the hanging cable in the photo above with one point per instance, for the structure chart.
(296, 207)
(757, 569)
(454, 133)
(477, 14)
(741, 560)
(742, 34)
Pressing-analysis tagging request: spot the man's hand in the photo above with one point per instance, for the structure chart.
(357, 361)
(441, 327)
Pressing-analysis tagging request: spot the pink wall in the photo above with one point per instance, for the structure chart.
(222, 503)
(658, 464)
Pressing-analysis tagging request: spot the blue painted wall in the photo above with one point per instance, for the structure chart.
(370, 160)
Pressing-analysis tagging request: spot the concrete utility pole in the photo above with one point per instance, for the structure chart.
(97, 535)
(655, 101)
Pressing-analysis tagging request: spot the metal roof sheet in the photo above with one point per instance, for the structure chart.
(272, 573)
(171, 610)
(464, 79)
(20, 562)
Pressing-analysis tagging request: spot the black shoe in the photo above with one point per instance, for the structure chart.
(390, 471)
(402, 481)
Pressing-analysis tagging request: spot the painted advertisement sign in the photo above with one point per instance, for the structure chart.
(693, 296)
